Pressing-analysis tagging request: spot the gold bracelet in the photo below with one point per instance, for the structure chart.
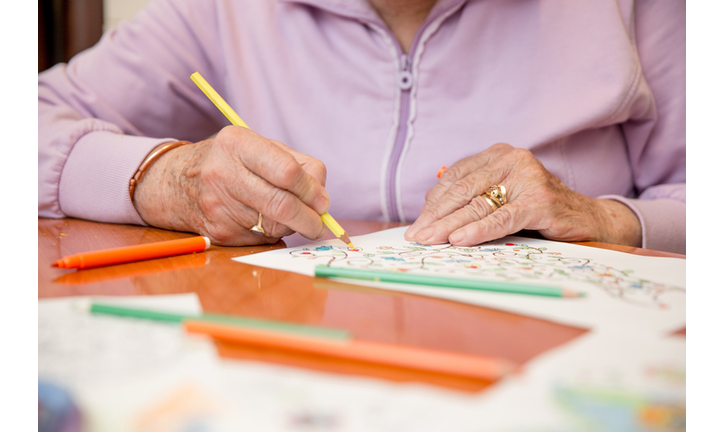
(150, 159)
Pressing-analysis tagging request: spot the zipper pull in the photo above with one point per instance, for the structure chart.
(404, 78)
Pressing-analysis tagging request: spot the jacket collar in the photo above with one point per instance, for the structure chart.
(361, 9)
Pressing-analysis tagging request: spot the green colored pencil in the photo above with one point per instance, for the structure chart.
(447, 282)
(169, 317)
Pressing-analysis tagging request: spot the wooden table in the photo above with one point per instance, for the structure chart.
(228, 287)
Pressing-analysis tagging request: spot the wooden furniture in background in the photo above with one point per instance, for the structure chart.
(65, 28)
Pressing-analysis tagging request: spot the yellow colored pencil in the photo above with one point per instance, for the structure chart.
(218, 100)
(336, 229)
(234, 118)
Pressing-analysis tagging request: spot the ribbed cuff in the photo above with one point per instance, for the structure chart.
(663, 222)
(94, 181)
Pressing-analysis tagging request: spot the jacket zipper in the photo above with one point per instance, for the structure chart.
(404, 82)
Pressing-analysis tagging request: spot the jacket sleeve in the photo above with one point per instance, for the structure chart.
(657, 143)
(103, 112)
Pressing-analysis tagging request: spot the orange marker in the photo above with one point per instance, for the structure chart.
(442, 170)
(140, 252)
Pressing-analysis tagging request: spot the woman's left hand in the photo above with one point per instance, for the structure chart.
(455, 212)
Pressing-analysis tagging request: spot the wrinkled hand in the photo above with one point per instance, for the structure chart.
(218, 187)
(455, 212)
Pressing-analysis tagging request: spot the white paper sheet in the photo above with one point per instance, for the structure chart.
(75, 346)
(638, 293)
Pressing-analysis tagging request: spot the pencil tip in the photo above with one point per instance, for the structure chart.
(55, 264)
(345, 238)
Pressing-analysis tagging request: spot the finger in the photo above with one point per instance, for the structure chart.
(312, 166)
(272, 229)
(465, 167)
(461, 194)
(280, 205)
(439, 232)
(508, 219)
(282, 170)
(274, 163)
(454, 190)
(227, 221)
(238, 181)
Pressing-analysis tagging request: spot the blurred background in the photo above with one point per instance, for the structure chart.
(67, 27)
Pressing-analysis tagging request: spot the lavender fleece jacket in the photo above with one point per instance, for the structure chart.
(595, 89)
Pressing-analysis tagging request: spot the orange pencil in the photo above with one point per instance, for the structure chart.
(450, 363)
(140, 252)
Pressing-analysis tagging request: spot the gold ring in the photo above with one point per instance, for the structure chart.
(497, 193)
(258, 229)
(493, 204)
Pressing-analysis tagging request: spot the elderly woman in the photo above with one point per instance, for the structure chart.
(356, 105)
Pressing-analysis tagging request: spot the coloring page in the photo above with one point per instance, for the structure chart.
(627, 286)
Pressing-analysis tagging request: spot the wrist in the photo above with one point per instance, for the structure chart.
(620, 224)
(149, 160)
(155, 191)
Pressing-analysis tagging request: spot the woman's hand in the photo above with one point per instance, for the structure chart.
(218, 187)
(455, 211)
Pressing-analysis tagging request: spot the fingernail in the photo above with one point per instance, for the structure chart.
(321, 204)
(457, 236)
(410, 233)
(425, 234)
(323, 233)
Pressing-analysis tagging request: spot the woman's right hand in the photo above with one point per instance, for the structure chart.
(218, 187)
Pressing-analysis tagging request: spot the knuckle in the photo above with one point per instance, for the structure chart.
(225, 132)
(462, 189)
(238, 137)
(524, 165)
(288, 171)
(501, 146)
(502, 219)
(277, 230)
(435, 214)
(281, 206)
(320, 167)
(433, 197)
(478, 208)
(451, 175)
(522, 155)
(209, 206)
(430, 214)
(227, 136)
(536, 174)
